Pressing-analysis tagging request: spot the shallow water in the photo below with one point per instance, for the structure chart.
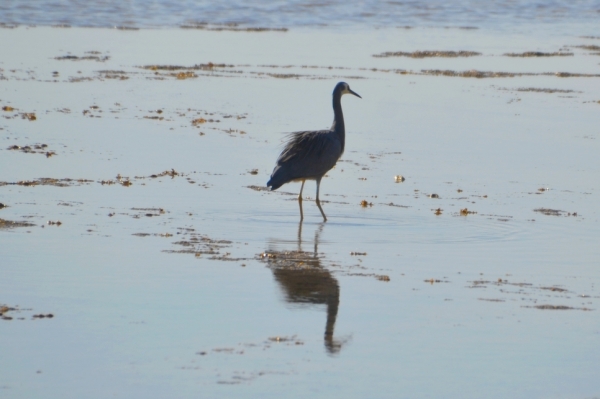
(191, 283)
(300, 13)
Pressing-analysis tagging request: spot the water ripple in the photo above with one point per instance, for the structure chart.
(295, 13)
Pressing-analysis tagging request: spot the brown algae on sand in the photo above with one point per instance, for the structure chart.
(539, 54)
(229, 27)
(47, 181)
(557, 307)
(95, 56)
(591, 47)
(541, 90)
(197, 67)
(428, 54)
(473, 73)
(191, 242)
(33, 149)
(10, 313)
(9, 224)
(555, 212)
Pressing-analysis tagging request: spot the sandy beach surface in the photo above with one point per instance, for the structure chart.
(143, 257)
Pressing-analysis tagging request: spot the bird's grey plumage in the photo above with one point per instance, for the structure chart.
(309, 155)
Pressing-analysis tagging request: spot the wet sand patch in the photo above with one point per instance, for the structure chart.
(9, 313)
(221, 70)
(591, 47)
(529, 292)
(262, 188)
(554, 289)
(91, 56)
(465, 212)
(124, 181)
(239, 377)
(491, 74)
(539, 54)
(230, 27)
(556, 307)
(33, 149)
(147, 212)
(365, 204)
(30, 116)
(540, 90)
(428, 54)
(380, 277)
(201, 244)
(500, 281)
(555, 212)
(211, 69)
(166, 235)
(209, 66)
(297, 260)
(9, 224)
(48, 181)
(118, 75)
(433, 281)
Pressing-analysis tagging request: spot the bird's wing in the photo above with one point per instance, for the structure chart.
(310, 153)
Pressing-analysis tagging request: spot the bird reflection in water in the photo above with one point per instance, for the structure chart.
(303, 280)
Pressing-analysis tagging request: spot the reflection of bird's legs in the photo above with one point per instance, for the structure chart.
(300, 201)
(300, 235)
(317, 234)
(319, 202)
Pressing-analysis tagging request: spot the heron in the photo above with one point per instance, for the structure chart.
(308, 155)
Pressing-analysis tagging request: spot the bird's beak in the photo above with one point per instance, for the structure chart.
(356, 94)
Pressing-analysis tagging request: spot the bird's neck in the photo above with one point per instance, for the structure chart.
(338, 119)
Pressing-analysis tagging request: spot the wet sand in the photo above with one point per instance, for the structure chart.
(132, 173)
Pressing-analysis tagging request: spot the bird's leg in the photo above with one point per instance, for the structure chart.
(301, 188)
(300, 201)
(319, 202)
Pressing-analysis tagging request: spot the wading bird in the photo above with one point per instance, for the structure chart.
(309, 155)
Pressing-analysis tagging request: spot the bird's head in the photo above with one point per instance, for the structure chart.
(344, 88)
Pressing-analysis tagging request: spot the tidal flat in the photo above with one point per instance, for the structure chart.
(142, 255)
